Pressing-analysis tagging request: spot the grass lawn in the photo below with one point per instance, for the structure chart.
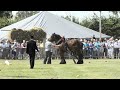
(91, 69)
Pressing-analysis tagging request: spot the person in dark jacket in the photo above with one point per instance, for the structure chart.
(31, 47)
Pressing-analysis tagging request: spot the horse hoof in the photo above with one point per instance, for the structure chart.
(79, 62)
(62, 63)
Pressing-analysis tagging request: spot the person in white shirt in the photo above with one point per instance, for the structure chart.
(48, 52)
(110, 49)
(116, 49)
(23, 49)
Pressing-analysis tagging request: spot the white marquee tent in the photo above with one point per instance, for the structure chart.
(51, 23)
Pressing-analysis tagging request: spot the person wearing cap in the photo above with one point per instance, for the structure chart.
(31, 47)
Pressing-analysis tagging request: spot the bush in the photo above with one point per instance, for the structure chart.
(20, 35)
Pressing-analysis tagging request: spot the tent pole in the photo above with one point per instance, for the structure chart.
(100, 26)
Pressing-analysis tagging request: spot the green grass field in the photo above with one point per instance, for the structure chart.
(91, 69)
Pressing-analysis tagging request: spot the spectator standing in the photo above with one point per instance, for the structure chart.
(14, 49)
(7, 50)
(116, 49)
(110, 49)
(23, 48)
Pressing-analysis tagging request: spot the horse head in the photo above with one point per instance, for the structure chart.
(55, 38)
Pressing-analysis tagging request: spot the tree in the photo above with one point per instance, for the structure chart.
(115, 12)
(7, 14)
(75, 20)
(20, 35)
(38, 34)
(110, 26)
(5, 18)
(67, 18)
(24, 14)
(71, 18)
(4, 22)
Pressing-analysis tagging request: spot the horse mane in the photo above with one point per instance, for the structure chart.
(58, 37)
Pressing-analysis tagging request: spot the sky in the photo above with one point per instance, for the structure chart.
(79, 14)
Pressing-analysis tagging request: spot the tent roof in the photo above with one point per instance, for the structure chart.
(51, 23)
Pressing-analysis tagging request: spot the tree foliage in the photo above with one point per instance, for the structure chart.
(4, 22)
(71, 18)
(7, 14)
(110, 26)
(38, 34)
(20, 35)
(24, 14)
(115, 13)
(5, 18)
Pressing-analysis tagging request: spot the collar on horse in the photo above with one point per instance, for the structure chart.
(62, 40)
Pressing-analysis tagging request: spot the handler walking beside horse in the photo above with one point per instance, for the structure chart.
(48, 52)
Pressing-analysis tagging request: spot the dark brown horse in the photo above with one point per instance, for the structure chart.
(73, 46)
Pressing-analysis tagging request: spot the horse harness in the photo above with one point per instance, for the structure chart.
(66, 48)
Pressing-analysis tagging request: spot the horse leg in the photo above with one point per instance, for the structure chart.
(62, 58)
(80, 59)
(62, 61)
